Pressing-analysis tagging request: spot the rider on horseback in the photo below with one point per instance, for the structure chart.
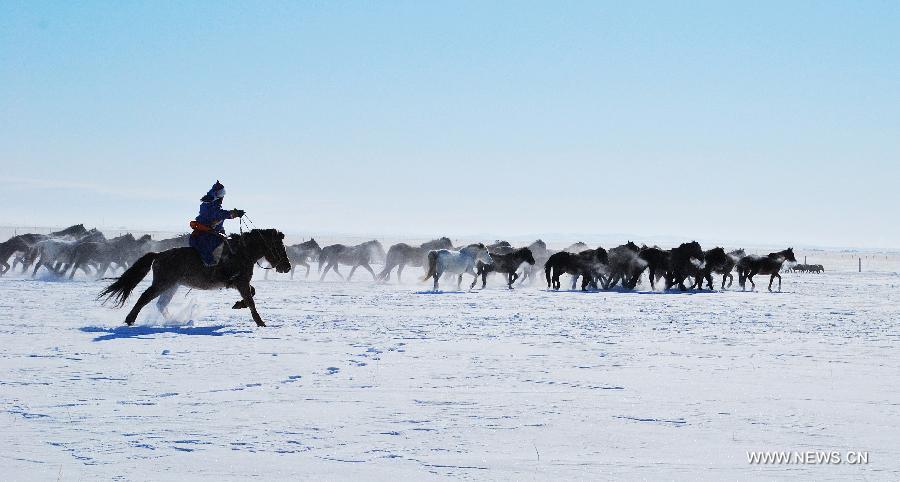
(209, 233)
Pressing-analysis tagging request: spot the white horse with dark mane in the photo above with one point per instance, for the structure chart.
(442, 261)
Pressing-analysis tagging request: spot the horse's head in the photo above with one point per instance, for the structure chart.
(716, 257)
(632, 247)
(692, 249)
(789, 255)
(527, 255)
(483, 255)
(273, 244)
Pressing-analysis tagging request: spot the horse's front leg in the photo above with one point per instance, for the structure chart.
(370, 270)
(512, 279)
(246, 292)
(475, 280)
(239, 305)
(352, 270)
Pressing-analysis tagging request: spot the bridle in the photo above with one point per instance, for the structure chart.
(251, 227)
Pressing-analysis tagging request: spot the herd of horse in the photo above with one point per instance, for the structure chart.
(685, 267)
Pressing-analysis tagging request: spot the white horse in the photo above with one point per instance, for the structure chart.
(442, 261)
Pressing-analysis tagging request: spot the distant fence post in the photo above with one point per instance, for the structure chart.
(860, 265)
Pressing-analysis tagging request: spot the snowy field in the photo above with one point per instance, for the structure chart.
(362, 381)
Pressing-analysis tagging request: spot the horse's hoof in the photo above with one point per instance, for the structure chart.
(260, 323)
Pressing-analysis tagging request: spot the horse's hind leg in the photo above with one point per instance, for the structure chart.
(459, 282)
(146, 297)
(399, 272)
(164, 299)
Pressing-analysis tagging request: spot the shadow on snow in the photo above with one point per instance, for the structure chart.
(149, 331)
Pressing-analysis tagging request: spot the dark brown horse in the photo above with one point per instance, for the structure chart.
(507, 264)
(183, 266)
(750, 266)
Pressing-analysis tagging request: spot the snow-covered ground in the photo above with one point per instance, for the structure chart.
(355, 380)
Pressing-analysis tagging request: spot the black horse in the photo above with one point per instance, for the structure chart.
(657, 260)
(717, 261)
(360, 255)
(401, 254)
(625, 265)
(183, 266)
(589, 264)
(507, 264)
(750, 266)
(686, 262)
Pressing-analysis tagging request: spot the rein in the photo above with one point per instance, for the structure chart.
(251, 227)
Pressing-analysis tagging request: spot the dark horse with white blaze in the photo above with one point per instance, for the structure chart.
(401, 254)
(507, 264)
(750, 266)
(183, 266)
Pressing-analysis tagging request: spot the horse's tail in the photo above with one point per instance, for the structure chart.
(124, 285)
(432, 265)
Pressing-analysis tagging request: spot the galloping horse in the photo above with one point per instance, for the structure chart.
(402, 254)
(456, 262)
(12, 246)
(750, 266)
(507, 264)
(625, 265)
(686, 261)
(183, 266)
(303, 253)
(589, 264)
(355, 256)
(657, 260)
(715, 261)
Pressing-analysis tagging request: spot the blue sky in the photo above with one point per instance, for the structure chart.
(774, 122)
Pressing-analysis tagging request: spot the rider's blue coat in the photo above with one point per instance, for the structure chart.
(212, 215)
